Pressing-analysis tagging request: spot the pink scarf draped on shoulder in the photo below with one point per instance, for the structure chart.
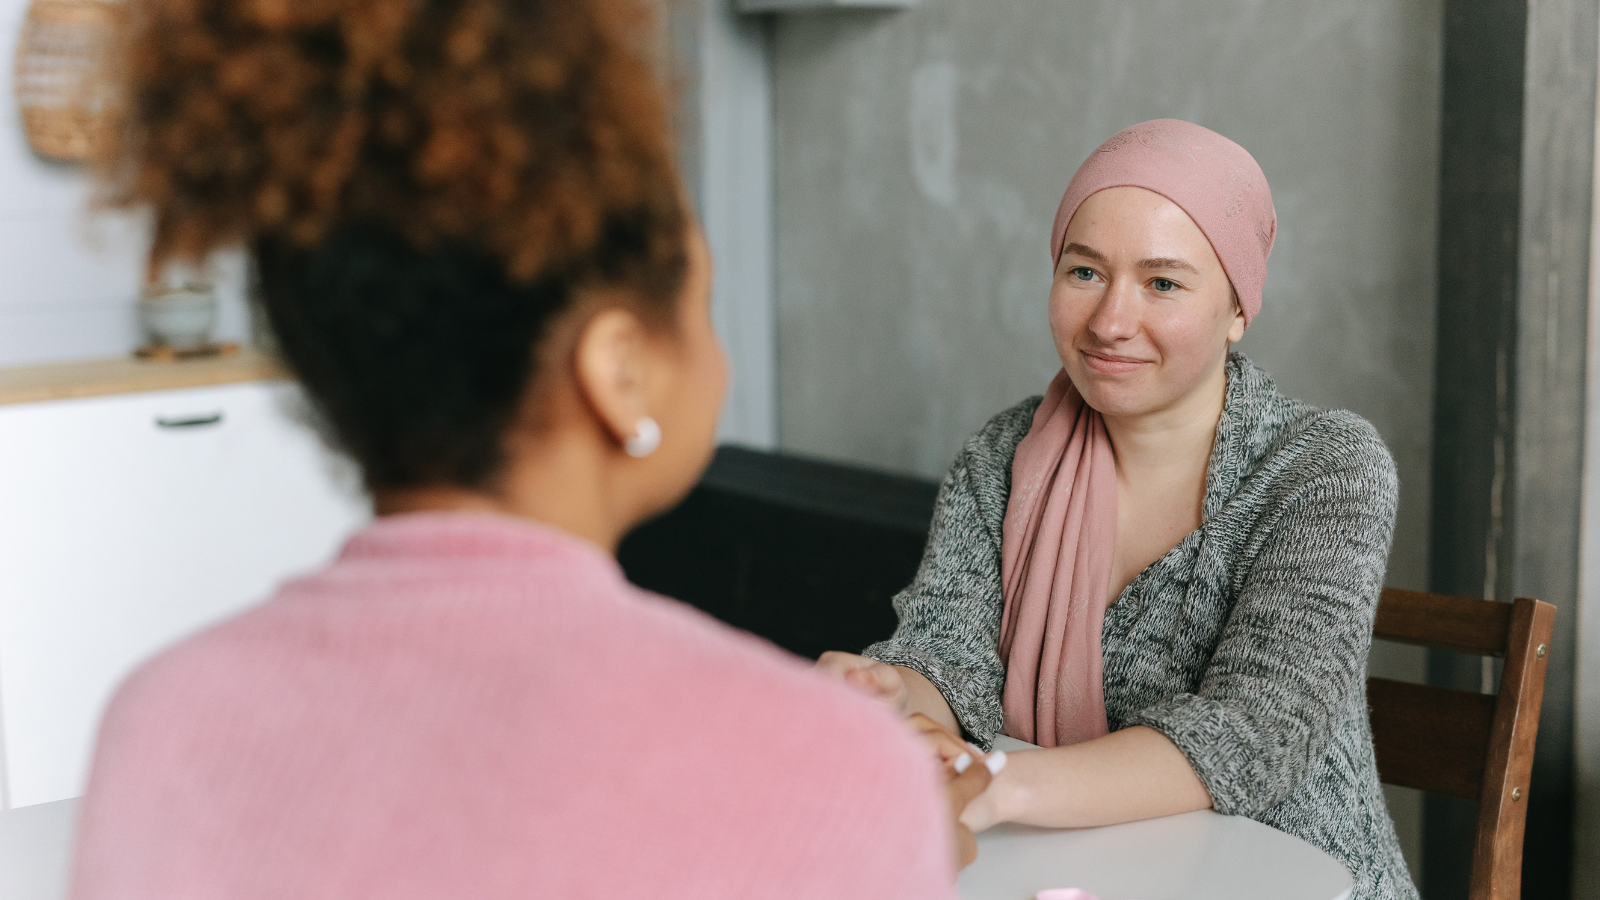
(1055, 563)
(1061, 518)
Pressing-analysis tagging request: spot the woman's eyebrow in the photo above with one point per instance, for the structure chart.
(1167, 262)
(1157, 262)
(1085, 251)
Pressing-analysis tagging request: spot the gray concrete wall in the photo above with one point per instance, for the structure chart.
(920, 156)
(721, 66)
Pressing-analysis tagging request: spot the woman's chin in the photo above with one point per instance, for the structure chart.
(1118, 408)
(1115, 395)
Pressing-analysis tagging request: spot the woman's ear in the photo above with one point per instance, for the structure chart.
(1237, 327)
(1236, 330)
(613, 367)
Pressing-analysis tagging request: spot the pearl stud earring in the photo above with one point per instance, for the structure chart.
(645, 440)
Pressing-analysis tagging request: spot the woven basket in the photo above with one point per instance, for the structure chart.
(59, 78)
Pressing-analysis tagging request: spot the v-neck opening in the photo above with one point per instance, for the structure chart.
(1212, 497)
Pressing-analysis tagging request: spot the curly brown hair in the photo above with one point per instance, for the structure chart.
(516, 125)
(405, 170)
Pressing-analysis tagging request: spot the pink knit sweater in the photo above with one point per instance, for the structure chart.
(475, 707)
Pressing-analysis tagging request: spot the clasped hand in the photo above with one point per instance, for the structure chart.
(968, 772)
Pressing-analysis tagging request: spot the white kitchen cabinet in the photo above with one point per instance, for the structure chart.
(128, 522)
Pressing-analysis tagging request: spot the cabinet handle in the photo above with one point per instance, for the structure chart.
(189, 421)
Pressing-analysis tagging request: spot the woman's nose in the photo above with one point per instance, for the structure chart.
(1116, 316)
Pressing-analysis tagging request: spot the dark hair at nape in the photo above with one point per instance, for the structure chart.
(426, 184)
(416, 360)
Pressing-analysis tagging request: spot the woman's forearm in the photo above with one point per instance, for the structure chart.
(1126, 776)
(923, 697)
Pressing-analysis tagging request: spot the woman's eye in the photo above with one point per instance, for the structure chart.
(1162, 285)
(1083, 273)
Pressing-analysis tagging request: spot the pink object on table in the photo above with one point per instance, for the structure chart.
(474, 706)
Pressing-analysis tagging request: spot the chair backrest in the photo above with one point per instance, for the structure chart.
(1463, 743)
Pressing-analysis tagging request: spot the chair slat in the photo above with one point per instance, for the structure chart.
(1433, 739)
(1452, 623)
(1503, 807)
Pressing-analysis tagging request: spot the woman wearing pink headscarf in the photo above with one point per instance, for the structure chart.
(1164, 571)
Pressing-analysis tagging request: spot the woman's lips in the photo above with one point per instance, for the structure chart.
(1106, 364)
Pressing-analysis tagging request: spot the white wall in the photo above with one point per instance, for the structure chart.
(69, 280)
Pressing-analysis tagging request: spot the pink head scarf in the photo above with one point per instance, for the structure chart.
(1061, 519)
(1214, 180)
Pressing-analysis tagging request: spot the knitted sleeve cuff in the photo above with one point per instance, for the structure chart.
(977, 711)
(1205, 732)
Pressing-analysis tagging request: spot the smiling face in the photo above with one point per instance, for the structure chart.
(1141, 309)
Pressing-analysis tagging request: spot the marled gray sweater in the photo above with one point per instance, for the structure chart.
(1246, 645)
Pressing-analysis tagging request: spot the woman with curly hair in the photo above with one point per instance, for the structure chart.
(475, 254)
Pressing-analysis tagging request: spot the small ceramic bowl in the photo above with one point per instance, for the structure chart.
(180, 318)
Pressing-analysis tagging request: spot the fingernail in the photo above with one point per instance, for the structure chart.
(995, 762)
(962, 763)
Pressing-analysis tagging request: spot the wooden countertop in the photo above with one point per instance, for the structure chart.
(127, 375)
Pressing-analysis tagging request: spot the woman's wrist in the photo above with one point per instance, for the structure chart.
(921, 696)
(1011, 789)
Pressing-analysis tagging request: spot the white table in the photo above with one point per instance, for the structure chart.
(1195, 856)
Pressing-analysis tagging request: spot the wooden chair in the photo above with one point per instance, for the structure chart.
(1463, 743)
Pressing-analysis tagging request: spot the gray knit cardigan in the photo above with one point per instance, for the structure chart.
(1246, 645)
